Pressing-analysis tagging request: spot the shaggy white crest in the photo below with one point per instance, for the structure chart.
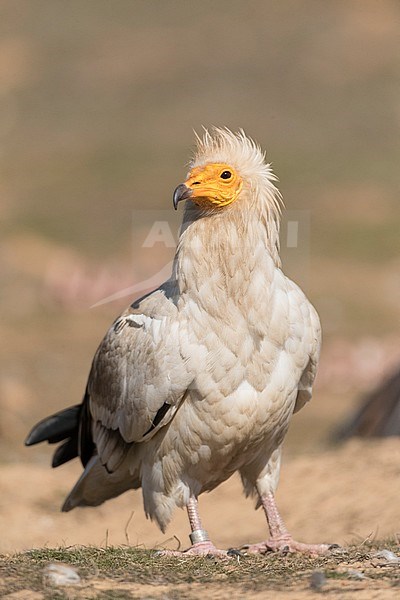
(241, 152)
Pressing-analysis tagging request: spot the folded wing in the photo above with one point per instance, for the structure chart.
(136, 384)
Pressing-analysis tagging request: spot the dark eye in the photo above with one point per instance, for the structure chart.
(226, 175)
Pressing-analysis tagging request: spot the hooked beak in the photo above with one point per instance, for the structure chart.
(182, 192)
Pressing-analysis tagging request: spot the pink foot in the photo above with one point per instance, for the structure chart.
(287, 544)
(198, 549)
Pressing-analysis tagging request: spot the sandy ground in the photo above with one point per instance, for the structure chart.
(342, 496)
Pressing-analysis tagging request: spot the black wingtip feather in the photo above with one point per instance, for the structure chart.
(73, 427)
(67, 451)
(55, 428)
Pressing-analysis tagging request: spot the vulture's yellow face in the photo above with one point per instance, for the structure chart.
(211, 186)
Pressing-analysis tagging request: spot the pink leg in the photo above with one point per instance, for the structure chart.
(280, 537)
(201, 544)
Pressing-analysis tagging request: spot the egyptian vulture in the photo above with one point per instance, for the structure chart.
(200, 378)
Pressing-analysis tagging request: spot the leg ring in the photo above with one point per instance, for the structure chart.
(199, 535)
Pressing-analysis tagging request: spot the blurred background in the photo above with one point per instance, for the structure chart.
(98, 102)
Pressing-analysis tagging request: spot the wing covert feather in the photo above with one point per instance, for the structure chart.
(137, 369)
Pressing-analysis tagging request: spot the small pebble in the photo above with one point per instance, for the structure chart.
(354, 574)
(234, 553)
(387, 555)
(317, 580)
(60, 574)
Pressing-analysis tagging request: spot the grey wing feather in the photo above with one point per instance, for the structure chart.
(138, 378)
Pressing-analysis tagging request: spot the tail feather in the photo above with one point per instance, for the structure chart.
(96, 485)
